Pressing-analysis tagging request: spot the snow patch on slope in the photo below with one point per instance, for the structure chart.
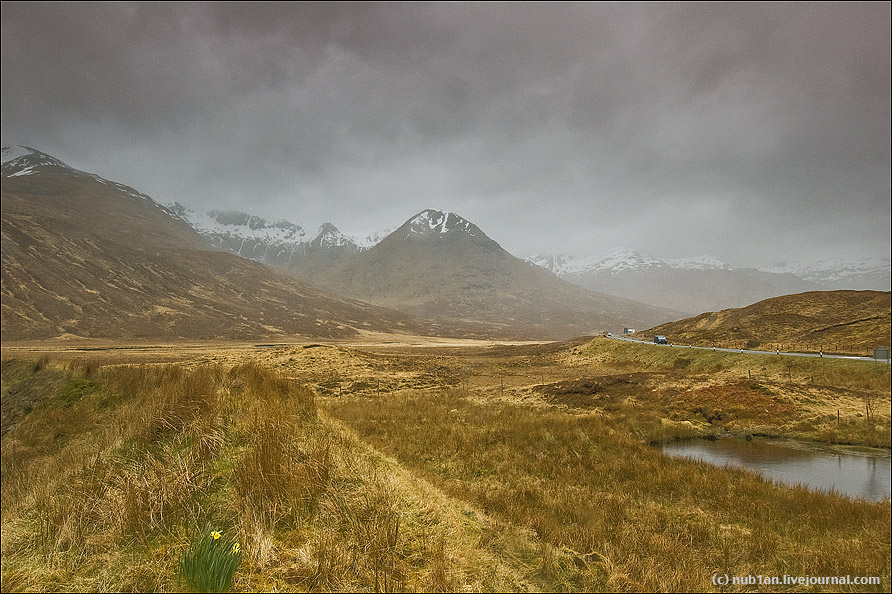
(437, 222)
(704, 262)
(614, 261)
(24, 160)
(233, 223)
(14, 152)
(328, 236)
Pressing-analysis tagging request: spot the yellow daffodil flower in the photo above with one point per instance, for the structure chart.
(216, 534)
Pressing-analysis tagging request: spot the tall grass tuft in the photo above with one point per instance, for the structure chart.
(42, 362)
(210, 561)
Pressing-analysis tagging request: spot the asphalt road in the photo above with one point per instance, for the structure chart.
(746, 352)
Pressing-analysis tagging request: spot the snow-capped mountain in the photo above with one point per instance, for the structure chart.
(328, 237)
(872, 273)
(277, 243)
(240, 224)
(437, 222)
(704, 283)
(23, 160)
(252, 237)
(862, 273)
(440, 265)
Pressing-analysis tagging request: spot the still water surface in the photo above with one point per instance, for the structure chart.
(857, 475)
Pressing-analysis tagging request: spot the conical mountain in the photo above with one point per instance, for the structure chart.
(84, 256)
(442, 266)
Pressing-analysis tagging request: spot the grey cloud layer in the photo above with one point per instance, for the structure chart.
(751, 132)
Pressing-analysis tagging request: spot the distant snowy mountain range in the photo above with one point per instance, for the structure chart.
(277, 242)
(696, 284)
(704, 283)
(864, 273)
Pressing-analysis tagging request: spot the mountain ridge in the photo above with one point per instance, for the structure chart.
(86, 257)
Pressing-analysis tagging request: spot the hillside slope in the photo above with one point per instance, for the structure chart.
(86, 257)
(843, 321)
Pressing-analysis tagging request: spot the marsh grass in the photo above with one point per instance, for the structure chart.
(629, 517)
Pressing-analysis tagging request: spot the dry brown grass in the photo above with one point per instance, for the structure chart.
(847, 322)
(628, 517)
(489, 468)
(103, 492)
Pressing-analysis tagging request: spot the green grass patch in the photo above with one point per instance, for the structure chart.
(210, 562)
(73, 391)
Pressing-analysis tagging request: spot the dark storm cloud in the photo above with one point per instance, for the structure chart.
(751, 132)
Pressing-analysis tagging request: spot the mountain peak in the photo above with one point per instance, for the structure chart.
(329, 236)
(438, 223)
(22, 160)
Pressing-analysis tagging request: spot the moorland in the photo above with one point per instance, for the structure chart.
(422, 464)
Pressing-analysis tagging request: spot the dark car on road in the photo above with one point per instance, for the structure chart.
(659, 339)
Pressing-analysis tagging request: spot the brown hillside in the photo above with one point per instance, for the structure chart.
(842, 321)
(85, 257)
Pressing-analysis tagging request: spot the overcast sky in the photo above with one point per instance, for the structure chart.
(752, 132)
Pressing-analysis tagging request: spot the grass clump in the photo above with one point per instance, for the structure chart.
(210, 561)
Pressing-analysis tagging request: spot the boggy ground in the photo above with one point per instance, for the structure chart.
(670, 392)
(427, 467)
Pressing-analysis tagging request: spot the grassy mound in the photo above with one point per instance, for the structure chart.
(109, 478)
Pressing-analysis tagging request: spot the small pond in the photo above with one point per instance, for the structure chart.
(858, 473)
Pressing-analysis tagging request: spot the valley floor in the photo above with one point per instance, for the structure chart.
(403, 463)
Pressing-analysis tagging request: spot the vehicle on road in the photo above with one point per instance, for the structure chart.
(660, 339)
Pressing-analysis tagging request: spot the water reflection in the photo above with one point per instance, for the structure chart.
(857, 476)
